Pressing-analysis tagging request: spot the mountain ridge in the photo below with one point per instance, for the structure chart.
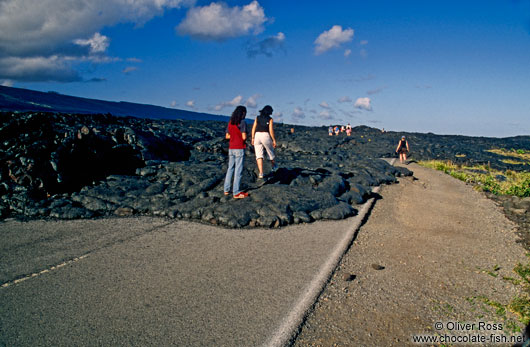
(24, 100)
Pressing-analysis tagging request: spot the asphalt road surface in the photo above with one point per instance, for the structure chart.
(148, 281)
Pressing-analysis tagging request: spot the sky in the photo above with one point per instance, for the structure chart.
(447, 67)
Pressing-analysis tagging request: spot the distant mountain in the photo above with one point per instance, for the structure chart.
(17, 99)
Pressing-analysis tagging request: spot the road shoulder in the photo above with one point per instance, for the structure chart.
(445, 249)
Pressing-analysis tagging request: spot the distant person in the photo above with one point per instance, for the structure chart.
(337, 130)
(263, 138)
(342, 128)
(236, 132)
(402, 149)
(348, 129)
(330, 130)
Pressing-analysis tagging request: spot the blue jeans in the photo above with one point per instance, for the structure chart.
(235, 167)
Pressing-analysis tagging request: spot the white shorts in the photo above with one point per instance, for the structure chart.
(263, 140)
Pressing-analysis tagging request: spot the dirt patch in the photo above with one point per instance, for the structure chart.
(433, 250)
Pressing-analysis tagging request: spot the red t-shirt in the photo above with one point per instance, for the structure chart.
(236, 138)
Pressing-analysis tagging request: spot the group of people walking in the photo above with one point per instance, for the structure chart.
(337, 130)
(263, 140)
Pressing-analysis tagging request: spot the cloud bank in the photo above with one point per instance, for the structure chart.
(40, 40)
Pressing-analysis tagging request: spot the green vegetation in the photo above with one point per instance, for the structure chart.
(520, 305)
(513, 156)
(498, 182)
(521, 154)
(485, 178)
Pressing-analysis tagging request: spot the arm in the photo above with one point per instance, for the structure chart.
(244, 135)
(227, 136)
(271, 132)
(254, 130)
(407, 146)
(397, 148)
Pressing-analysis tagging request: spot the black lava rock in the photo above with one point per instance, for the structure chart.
(72, 166)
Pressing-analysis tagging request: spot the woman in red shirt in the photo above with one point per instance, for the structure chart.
(237, 134)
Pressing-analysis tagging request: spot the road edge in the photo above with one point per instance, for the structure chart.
(288, 329)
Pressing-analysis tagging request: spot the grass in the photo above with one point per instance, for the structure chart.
(519, 305)
(521, 154)
(486, 179)
(506, 182)
(513, 156)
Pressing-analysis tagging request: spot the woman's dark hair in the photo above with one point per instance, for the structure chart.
(266, 111)
(238, 115)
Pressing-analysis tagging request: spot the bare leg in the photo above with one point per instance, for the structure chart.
(260, 166)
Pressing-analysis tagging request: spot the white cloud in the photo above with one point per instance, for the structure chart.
(58, 33)
(278, 117)
(190, 103)
(134, 60)
(363, 53)
(218, 21)
(252, 101)
(364, 42)
(324, 104)
(332, 38)
(174, 104)
(325, 115)
(7, 83)
(298, 114)
(345, 99)
(38, 69)
(29, 27)
(350, 114)
(375, 91)
(234, 102)
(347, 53)
(363, 104)
(97, 43)
(129, 69)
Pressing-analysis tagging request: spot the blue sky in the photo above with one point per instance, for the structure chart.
(447, 67)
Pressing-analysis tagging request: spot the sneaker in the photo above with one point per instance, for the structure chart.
(227, 193)
(241, 195)
(260, 176)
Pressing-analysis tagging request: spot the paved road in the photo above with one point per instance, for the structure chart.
(148, 281)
